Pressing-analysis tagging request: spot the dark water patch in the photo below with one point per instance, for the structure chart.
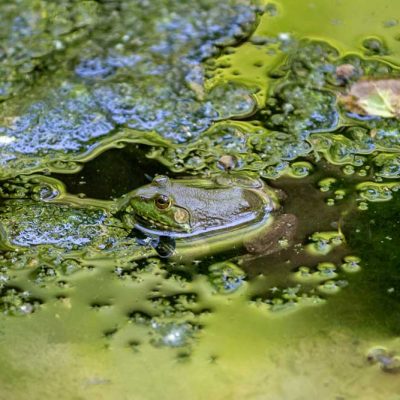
(375, 234)
(114, 173)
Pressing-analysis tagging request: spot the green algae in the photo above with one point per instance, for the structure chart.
(136, 67)
(294, 325)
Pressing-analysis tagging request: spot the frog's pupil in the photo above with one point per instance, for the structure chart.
(162, 201)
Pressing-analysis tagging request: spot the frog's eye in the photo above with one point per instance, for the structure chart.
(162, 202)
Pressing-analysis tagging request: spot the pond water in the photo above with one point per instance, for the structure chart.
(99, 97)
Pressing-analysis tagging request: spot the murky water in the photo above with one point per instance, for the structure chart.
(98, 97)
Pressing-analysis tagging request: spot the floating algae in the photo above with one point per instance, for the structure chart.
(227, 91)
(129, 73)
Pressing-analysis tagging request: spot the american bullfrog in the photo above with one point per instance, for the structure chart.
(205, 216)
(182, 218)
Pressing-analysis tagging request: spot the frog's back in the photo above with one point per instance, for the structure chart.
(222, 208)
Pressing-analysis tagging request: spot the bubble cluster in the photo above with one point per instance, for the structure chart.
(287, 299)
(312, 285)
(14, 301)
(65, 121)
(377, 192)
(46, 224)
(174, 320)
(301, 117)
(145, 77)
(171, 334)
(324, 271)
(35, 187)
(36, 35)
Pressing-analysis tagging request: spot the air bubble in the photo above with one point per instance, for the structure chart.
(300, 169)
(377, 192)
(303, 274)
(330, 202)
(348, 170)
(323, 243)
(271, 9)
(390, 23)
(172, 334)
(375, 46)
(329, 287)
(362, 172)
(363, 206)
(340, 194)
(326, 270)
(45, 193)
(325, 185)
(351, 264)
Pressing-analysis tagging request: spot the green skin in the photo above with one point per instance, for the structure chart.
(209, 215)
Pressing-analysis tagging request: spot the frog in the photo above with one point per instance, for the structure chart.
(181, 219)
(194, 217)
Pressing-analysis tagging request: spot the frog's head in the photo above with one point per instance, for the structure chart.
(154, 207)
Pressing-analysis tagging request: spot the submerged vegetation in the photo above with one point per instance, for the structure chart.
(266, 186)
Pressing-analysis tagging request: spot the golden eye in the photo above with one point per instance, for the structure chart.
(162, 202)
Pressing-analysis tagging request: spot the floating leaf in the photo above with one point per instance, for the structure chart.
(379, 98)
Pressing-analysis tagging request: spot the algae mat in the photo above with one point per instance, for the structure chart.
(98, 96)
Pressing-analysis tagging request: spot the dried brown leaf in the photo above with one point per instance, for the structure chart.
(380, 98)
